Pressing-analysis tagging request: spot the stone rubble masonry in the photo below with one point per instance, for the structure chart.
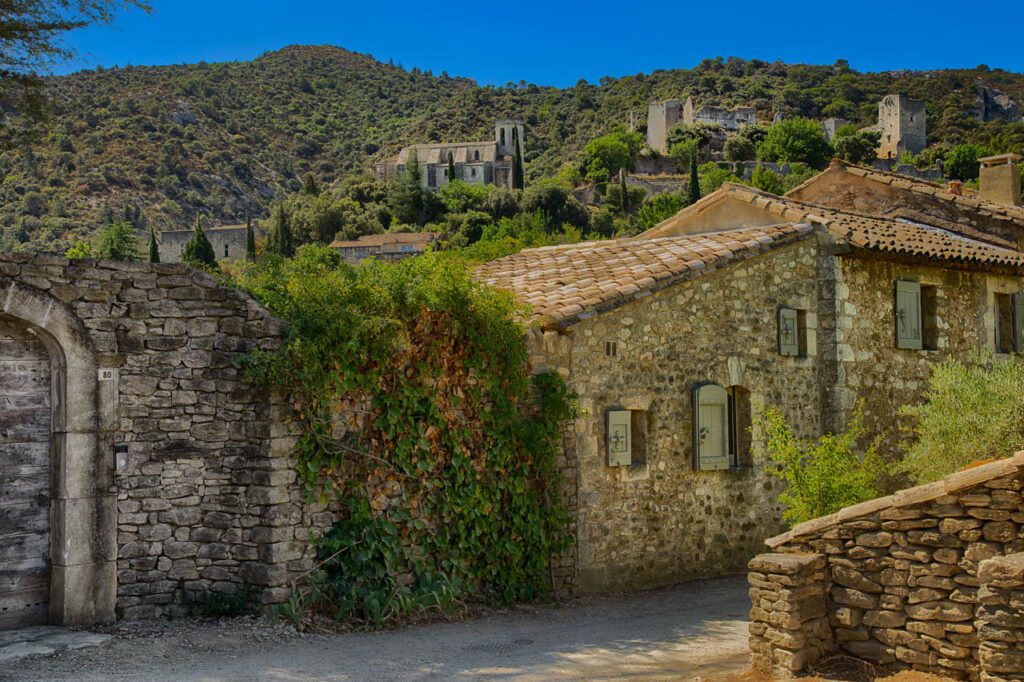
(789, 626)
(999, 619)
(197, 457)
(930, 578)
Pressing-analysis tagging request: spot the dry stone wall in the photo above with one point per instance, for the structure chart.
(909, 585)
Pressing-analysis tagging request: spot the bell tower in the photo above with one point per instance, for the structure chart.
(503, 137)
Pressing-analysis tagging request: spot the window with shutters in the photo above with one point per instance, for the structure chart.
(626, 437)
(916, 316)
(1009, 323)
(721, 427)
(792, 332)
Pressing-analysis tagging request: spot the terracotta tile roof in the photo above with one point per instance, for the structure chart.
(967, 203)
(887, 235)
(564, 284)
(423, 238)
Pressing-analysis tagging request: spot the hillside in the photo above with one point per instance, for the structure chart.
(159, 144)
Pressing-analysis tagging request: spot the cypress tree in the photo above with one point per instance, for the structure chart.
(518, 180)
(624, 193)
(154, 250)
(693, 189)
(198, 250)
(250, 240)
(310, 187)
(451, 167)
(283, 234)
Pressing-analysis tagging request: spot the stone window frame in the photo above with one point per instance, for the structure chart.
(1011, 289)
(83, 511)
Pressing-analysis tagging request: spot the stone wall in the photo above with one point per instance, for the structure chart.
(194, 456)
(228, 243)
(906, 583)
(659, 520)
(999, 619)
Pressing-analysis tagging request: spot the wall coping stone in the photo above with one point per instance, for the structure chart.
(905, 498)
(786, 564)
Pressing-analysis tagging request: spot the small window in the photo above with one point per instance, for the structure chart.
(792, 332)
(226, 253)
(626, 437)
(476, 157)
(472, 172)
(502, 142)
(1009, 323)
(611, 349)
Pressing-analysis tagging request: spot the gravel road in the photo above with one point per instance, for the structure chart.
(689, 631)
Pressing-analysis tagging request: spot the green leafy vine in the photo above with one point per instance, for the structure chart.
(420, 418)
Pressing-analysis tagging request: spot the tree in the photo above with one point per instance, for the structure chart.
(693, 187)
(281, 238)
(605, 155)
(250, 240)
(32, 42)
(796, 139)
(767, 180)
(556, 204)
(660, 207)
(739, 148)
(154, 250)
(518, 180)
(198, 250)
(858, 147)
(961, 163)
(81, 249)
(309, 186)
(118, 241)
(683, 151)
(405, 198)
(451, 168)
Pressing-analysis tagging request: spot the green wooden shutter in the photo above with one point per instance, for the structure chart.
(710, 428)
(908, 315)
(1018, 322)
(620, 439)
(789, 343)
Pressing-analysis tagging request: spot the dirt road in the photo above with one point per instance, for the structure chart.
(694, 630)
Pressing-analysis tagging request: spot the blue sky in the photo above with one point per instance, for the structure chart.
(557, 42)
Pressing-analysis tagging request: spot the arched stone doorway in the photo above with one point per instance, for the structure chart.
(58, 432)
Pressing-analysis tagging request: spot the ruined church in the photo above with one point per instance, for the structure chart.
(477, 163)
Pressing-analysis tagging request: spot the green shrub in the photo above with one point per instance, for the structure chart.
(973, 411)
(824, 476)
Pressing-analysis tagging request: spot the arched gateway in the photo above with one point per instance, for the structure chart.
(58, 519)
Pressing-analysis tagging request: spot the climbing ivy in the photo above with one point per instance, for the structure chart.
(419, 417)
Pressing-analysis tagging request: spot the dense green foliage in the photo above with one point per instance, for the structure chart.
(973, 412)
(198, 251)
(857, 146)
(221, 139)
(821, 477)
(796, 139)
(961, 162)
(446, 467)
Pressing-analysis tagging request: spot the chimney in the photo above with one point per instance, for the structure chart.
(955, 188)
(999, 179)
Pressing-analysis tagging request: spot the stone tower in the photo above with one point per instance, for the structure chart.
(503, 137)
(660, 117)
(901, 122)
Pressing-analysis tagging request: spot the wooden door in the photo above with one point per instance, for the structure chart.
(24, 477)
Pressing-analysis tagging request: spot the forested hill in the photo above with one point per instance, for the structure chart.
(161, 144)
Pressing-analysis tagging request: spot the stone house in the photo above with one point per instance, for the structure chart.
(477, 163)
(389, 247)
(677, 339)
(228, 242)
